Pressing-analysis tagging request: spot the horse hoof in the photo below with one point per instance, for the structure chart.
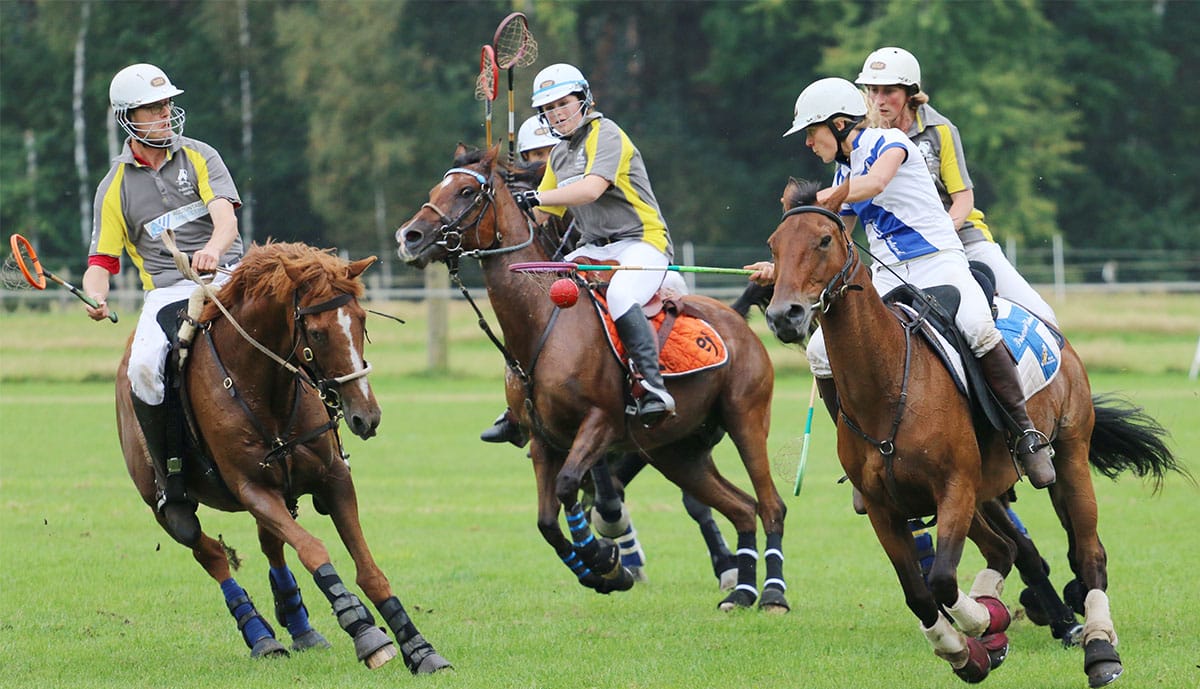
(1101, 663)
(268, 647)
(373, 647)
(998, 616)
(772, 601)
(979, 663)
(737, 599)
(1033, 608)
(431, 664)
(310, 639)
(727, 579)
(1073, 636)
(619, 579)
(997, 647)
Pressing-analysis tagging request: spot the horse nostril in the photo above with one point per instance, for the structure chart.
(412, 236)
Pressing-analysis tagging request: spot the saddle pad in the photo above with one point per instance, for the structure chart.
(692, 344)
(1033, 346)
(1032, 343)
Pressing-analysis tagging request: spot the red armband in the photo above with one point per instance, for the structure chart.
(110, 263)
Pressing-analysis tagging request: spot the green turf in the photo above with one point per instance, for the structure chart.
(93, 594)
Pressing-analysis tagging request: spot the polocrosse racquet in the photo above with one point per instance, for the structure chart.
(30, 268)
(515, 47)
(487, 86)
(568, 267)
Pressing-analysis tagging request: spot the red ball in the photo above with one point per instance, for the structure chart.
(564, 293)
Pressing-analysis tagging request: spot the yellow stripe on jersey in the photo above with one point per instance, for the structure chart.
(203, 183)
(951, 177)
(114, 233)
(653, 231)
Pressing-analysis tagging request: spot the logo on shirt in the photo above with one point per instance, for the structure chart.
(182, 182)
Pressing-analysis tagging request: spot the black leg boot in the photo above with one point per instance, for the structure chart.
(640, 345)
(177, 509)
(1031, 447)
(505, 429)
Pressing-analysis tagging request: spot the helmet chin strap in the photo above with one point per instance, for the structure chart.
(840, 135)
(584, 106)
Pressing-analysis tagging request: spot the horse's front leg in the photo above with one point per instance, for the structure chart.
(610, 518)
(601, 556)
(967, 656)
(419, 655)
(998, 551)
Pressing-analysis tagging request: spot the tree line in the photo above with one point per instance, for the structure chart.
(335, 117)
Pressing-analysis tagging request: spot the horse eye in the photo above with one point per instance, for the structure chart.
(316, 337)
(826, 240)
(466, 191)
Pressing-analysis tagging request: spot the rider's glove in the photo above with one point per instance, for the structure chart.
(527, 200)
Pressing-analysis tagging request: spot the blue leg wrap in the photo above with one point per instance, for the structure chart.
(924, 541)
(581, 533)
(250, 623)
(1016, 521)
(289, 607)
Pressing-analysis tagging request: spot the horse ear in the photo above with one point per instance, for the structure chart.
(460, 150)
(838, 197)
(790, 194)
(357, 268)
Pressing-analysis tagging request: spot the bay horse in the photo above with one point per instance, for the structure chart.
(907, 441)
(276, 364)
(568, 392)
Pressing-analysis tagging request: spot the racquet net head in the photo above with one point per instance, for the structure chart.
(488, 84)
(514, 42)
(22, 269)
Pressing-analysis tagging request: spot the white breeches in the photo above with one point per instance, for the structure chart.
(148, 353)
(974, 318)
(1009, 283)
(628, 287)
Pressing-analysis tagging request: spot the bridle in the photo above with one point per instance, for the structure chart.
(839, 284)
(326, 387)
(452, 232)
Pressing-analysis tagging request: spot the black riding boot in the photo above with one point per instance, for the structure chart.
(641, 346)
(177, 509)
(828, 392)
(505, 429)
(1031, 447)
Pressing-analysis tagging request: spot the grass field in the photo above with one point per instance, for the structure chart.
(93, 594)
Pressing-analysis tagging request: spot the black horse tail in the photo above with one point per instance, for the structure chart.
(753, 295)
(1126, 438)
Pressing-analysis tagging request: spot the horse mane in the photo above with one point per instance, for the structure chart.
(804, 193)
(275, 270)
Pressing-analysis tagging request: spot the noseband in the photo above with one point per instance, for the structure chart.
(838, 285)
(453, 231)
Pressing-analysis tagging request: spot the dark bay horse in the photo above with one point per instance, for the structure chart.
(568, 391)
(264, 414)
(907, 441)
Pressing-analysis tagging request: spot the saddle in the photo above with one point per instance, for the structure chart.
(687, 344)
(1034, 345)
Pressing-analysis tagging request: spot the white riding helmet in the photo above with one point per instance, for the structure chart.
(889, 66)
(143, 84)
(557, 81)
(825, 99)
(534, 134)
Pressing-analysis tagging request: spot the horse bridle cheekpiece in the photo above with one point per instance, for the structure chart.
(325, 387)
(452, 231)
(837, 285)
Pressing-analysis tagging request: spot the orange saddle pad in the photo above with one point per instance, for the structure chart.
(686, 343)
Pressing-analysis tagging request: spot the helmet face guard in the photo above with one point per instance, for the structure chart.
(555, 83)
(140, 85)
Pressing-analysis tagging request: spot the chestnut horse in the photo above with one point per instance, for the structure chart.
(264, 408)
(568, 390)
(907, 441)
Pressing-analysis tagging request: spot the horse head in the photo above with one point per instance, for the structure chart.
(813, 257)
(330, 332)
(464, 214)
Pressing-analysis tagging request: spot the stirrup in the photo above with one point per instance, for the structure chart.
(1026, 449)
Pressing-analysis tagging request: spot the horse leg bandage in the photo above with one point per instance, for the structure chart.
(351, 614)
(251, 624)
(747, 556)
(988, 582)
(289, 607)
(1097, 619)
(774, 558)
(970, 616)
(621, 530)
(413, 647)
(948, 643)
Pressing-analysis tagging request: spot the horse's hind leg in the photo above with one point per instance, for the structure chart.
(724, 562)
(1042, 604)
(290, 610)
(610, 518)
(1075, 502)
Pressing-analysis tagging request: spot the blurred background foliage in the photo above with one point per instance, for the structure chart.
(336, 117)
